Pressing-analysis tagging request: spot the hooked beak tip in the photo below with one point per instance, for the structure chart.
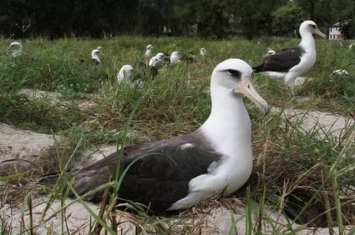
(265, 109)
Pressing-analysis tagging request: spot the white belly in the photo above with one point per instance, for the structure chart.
(226, 178)
(275, 75)
(306, 63)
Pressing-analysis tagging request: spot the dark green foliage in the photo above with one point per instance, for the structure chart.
(206, 18)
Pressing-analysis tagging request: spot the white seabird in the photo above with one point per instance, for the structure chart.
(95, 55)
(15, 49)
(270, 52)
(175, 57)
(158, 60)
(136, 74)
(340, 72)
(343, 73)
(203, 51)
(125, 73)
(148, 53)
(287, 64)
(179, 172)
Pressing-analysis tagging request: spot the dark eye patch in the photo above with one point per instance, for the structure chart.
(312, 25)
(234, 73)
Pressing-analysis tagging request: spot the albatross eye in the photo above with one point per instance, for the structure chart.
(234, 73)
(312, 25)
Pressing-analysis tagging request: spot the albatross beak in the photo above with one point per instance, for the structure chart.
(246, 87)
(319, 33)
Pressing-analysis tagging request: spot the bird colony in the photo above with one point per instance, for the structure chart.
(216, 158)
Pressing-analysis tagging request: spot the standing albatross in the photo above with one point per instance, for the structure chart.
(287, 64)
(177, 173)
(148, 54)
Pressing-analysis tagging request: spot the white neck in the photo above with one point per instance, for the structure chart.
(307, 40)
(148, 52)
(96, 57)
(228, 127)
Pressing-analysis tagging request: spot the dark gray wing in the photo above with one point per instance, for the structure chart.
(282, 61)
(160, 172)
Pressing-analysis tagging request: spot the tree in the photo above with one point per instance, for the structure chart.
(344, 10)
(286, 19)
(255, 16)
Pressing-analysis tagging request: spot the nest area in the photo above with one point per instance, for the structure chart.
(296, 172)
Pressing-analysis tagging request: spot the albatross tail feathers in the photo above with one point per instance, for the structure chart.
(258, 68)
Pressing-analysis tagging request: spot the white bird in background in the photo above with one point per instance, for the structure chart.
(16, 49)
(95, 55)
(125, 73)
(270, 52)
(158, 60)
(148, 54)
(203, 51)
(289, 63)
(136, 74)
(175, 57)
(340, 72)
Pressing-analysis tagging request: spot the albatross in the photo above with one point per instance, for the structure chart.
(125, 73)
(203, 51)
(148, 53)
(159, 60)
(287, 64)
(270, 52)
(16, 49)
(135, 75)
(95, 55)
(177, 173)
(175, 57)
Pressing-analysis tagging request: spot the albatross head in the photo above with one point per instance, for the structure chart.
(95, 53)
(235, 75)
(310, 26)
(270, 52)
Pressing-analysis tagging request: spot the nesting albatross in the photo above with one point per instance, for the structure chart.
(203, 51)
(287, 64)
(16, 49)
(177, 173)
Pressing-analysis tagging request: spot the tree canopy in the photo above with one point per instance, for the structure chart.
(206, 18)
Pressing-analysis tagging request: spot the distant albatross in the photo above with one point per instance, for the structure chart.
(287, 64)
(177, 173)
(148, 53)
(270, 52)
(203, 51)
(175, 57)
(16, 49)
(125, 73)
(95, 55)
(135, 75)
